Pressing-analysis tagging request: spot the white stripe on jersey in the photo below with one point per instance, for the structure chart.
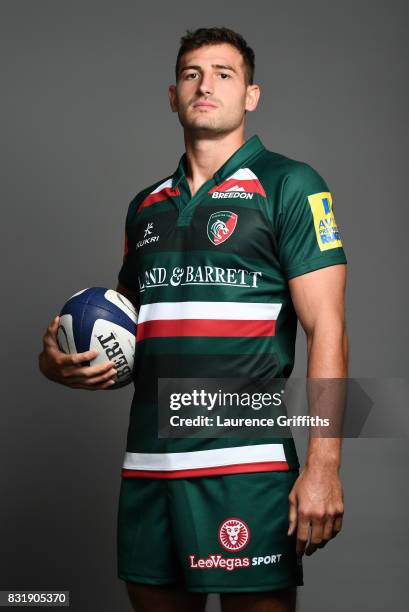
(204, 458)
(243, 174)
(163, 185)
(240, 311)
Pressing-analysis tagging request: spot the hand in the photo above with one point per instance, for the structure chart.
(68, 370)
(316, 508)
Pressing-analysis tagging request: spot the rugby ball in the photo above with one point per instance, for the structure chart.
(101, 319)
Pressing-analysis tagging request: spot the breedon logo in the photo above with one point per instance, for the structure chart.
(221, 225)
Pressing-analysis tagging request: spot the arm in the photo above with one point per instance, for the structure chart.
(316, 501)
(130, 294)
(68, 369)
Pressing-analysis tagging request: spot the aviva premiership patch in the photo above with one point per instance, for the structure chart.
(221, 226)
(326, 229)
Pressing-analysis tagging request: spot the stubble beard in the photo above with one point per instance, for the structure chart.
(208, 126)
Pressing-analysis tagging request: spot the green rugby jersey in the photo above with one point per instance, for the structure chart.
(212, 277)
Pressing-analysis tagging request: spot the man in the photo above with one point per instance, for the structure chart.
(221, 258)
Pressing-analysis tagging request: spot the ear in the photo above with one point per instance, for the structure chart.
(172, 98)
(252, 97)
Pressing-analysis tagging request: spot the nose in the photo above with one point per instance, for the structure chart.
(206, 84)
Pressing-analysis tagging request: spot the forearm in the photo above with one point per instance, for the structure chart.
(130, 294)
(327, 359)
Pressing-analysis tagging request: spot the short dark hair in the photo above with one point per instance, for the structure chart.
(217, 36)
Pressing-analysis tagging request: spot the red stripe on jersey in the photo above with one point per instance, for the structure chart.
(160, 196)
(249, 186)
(238, 468)
(204, 327)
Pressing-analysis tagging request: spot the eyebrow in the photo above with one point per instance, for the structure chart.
(222, 66)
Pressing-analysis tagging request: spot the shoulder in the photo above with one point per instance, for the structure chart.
(277, 169)
(287, 182)
(141, 197)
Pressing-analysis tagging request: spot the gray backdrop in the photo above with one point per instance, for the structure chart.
(85, 125)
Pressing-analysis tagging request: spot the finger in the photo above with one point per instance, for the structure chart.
(50, 336)
(83, 374)
(337, 526)
(96, 380)
(303, 531)
(76, 369)
(80, 358)
(88, 372)
(108, 384)
(292, 517)
(310, 549)
(99, 380)
(55, 323)
(316, 536)
(103, 386)
(328, 531)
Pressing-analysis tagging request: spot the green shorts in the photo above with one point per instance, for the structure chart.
(215, 534)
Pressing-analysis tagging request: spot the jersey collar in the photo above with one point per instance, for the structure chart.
(251, 148)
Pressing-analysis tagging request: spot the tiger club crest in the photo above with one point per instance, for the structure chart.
(221, 225)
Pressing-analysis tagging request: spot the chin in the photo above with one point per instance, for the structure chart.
(205, 126)
(202, 121)
(208, 125)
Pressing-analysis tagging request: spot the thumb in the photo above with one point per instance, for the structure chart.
(54, 325)
(292, 516)
(50, 338)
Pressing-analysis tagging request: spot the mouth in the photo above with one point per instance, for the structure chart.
(203, 105)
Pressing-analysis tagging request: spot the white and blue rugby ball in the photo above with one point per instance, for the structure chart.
(101, 319)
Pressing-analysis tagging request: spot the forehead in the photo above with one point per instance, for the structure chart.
(213, 54)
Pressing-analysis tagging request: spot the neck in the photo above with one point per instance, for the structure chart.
(205, 155)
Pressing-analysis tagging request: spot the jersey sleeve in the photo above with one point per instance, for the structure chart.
(308, 236)
(127, 275)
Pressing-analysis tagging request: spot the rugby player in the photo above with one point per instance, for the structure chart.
(222, 258)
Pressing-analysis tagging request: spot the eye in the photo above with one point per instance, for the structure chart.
(190, 75)
(224, 76)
